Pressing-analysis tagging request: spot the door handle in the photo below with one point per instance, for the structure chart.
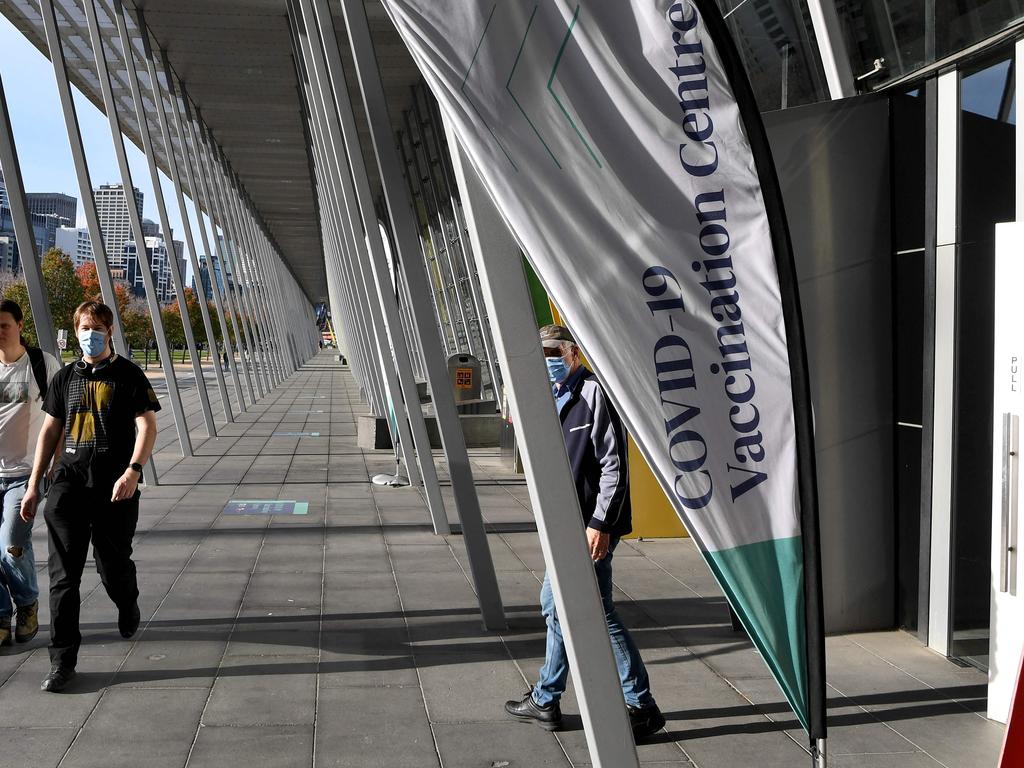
(1008, 524)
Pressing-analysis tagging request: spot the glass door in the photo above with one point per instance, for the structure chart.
(986, 184)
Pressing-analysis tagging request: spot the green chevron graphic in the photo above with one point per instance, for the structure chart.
(462, 88)
(515, 99)
(508, 87)
(558, 101)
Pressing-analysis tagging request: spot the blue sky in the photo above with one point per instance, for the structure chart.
(42, 140)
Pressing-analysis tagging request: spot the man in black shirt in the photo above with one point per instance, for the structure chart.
(96, 404)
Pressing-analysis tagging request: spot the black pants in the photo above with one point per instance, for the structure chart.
(74, 516)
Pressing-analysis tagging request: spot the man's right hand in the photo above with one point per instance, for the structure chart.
(29, 503)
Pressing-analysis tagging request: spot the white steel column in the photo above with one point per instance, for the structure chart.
(99, 251)
(948, 116)
(38, 303)
(273, 271)
(325, 60)
(437, 128)
(835, 58)
(197, 200)
(190, 243)
(229, 249)
(552, 492)
(256, 280)
(466, 501)
(257, 323)
(149, 151)
(203, 174)
(274, 301)
(114, 120)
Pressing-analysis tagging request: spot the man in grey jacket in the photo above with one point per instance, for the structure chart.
(595, 442)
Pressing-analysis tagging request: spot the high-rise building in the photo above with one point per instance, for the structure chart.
(75, 242)
(204, 278)
(115, 223)
(7, 253)
(150, 228)
(3, 190)
(63, 206)
(44, 230)
(179, 254)
(156, 249)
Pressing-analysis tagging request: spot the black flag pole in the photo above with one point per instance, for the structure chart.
(807, 483)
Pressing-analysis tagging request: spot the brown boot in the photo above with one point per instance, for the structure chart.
(27, 622)
(5, 634)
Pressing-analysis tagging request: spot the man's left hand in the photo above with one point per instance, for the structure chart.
(597, 543)
(125, 486)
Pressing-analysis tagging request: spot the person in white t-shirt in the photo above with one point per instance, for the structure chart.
(21, 417)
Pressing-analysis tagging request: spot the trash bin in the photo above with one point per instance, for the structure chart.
(464, 375)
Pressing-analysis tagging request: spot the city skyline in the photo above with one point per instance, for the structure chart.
(42, 141)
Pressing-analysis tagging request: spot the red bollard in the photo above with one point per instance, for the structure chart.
(1013, 742)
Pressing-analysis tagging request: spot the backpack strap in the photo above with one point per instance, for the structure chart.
(38, 362)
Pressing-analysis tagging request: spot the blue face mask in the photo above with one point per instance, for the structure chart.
(92, 342)
(557, 369)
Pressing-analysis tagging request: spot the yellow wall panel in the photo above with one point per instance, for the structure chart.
(653, 515)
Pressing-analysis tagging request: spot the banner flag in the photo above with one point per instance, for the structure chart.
(623, 145)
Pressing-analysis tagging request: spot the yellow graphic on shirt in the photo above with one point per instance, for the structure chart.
(96, 397)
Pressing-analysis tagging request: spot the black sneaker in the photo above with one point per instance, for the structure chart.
(645, 720)
(58, 679)
(128, 620)
(549, 718)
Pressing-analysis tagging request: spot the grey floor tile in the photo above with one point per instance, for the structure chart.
(35, 746)
(137, 726)
(267, 699)
(498, 744)
(373, 728)
(281, 746)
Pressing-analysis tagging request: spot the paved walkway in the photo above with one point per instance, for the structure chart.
(349, 636)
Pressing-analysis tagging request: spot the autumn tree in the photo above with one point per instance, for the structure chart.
(90, 280)
(63, 287)
(17, 292)
(138, 329)
(173, 327)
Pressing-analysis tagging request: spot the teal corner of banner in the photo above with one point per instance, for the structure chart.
(764, 583)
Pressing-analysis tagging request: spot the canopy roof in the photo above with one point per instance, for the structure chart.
(234, 57)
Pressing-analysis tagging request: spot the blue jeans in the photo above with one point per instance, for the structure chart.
(636, 687)
(17, 562)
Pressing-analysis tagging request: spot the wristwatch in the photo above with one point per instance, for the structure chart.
(136, 466)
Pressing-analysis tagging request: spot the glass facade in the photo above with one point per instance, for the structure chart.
(776, 42)
(986, 197)
(905, 35)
